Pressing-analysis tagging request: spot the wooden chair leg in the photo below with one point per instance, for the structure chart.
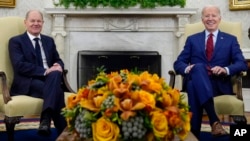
(223, 118)
(10, 123)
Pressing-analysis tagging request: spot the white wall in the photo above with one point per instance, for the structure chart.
(24, 5)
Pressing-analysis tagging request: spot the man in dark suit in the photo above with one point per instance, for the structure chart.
(38, 71)
(207, 62)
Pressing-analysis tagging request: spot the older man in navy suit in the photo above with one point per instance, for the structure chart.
(38, 71)
(207, 62)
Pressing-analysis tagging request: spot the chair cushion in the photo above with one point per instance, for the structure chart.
(225, 104)
(229, 104)
(22, 105)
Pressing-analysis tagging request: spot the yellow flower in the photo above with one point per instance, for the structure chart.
(98, 100)
(105, 130)
(160, 124)
(186, 126)
(147, 98)
(175, 95)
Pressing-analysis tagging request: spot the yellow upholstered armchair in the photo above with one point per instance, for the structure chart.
(13, 108)
(231, 105)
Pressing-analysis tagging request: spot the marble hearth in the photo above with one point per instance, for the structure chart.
(105, 29)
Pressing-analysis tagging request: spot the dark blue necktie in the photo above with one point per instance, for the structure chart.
(39, 60)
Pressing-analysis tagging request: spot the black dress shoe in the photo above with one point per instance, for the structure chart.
(44, 128)
(239, 119)
(45, 120)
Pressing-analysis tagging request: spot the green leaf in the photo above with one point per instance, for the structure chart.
(121, 3)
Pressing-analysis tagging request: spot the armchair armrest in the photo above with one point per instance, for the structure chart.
(172, 78)
(5, 90)
(238, 81)
(6, 93)
(66, 86)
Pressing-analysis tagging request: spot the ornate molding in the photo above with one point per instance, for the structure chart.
(59, 25)
(182, 21)
(121, 24)
(121, 19)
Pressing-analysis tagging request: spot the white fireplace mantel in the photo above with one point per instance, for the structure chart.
(129, 11)
(131, 29)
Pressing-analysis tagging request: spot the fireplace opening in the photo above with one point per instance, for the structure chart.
(89, 61)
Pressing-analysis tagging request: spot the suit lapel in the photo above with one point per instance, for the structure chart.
(201, 40)
(219, 43)
(28, 43)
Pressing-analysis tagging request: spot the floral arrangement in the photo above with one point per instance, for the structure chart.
(125, 105)
(120, 3)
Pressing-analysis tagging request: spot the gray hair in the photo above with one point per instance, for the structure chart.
(28, 13)
(210, 6)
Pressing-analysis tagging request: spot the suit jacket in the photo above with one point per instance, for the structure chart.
(227, 53)
(23, 59)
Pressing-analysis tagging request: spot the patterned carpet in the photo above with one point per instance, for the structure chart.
(205, 127)
(27, 131)
(24, 124)
(34, 123)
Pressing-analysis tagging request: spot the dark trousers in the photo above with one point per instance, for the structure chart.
(200, 96)
(49, 89)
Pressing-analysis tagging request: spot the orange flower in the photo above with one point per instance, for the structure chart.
(175, 96)
(114, 82)
(94, 100)
(72, 101)
(122, 90)
(166, 99)
(151, 83)
(129, 108)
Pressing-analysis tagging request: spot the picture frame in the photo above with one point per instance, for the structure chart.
(7, 3)
(239, 4)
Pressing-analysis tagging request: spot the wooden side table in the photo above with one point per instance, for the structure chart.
(67, 136)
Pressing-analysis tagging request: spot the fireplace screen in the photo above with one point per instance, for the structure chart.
(89, 61)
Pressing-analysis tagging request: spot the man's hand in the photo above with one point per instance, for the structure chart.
(55, 67)
(217, 70)
(188, 69)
